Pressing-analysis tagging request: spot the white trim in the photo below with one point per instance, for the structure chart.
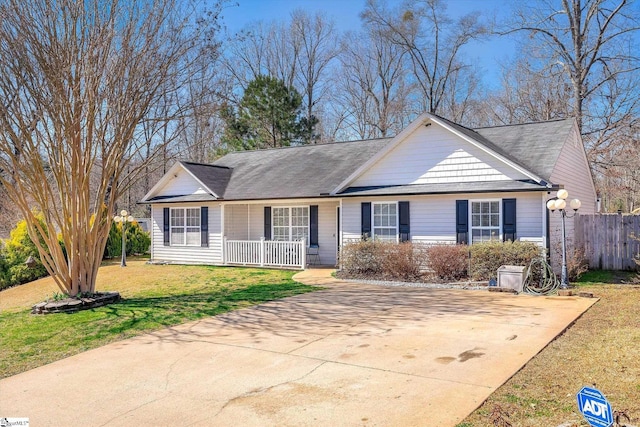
(488, 150)
(380, 154)
(185, 226)
(470, 219)
(290, 207)
(171, 174)
(397, 226)
(281, 202)
(423, 119)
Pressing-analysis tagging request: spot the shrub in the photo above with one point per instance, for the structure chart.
(361, 259)
(374, 259)
(487, 257)
(448, 262)
(17, 249)
(403, 261)
(138, 241)
(577, 263)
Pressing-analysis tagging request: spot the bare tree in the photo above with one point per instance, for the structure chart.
(373, 87)
(529, 95)
(316, 37)
(432, 40)
(590, 39)
(77, 81)
(594, 42)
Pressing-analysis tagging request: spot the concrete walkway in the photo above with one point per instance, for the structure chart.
(349, 355)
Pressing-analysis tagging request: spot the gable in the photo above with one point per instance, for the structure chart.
(182, 183)
(573, 173)
(178, 182)
(432, 154)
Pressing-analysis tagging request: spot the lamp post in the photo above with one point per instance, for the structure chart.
(124, 218)
(560, 203)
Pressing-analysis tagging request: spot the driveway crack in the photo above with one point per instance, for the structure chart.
(263, 390)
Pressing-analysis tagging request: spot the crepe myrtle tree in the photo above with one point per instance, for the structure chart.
(78, 80)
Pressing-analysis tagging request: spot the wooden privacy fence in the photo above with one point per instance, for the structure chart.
(607, 240)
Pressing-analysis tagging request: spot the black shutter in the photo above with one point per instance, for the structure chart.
(404, 223)
(165, 226)
(462, 222)
(267, 222)
(509, 219)
(204, 227)
(366, 220)
(313, 225)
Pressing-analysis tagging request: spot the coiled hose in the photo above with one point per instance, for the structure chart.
(540, 278)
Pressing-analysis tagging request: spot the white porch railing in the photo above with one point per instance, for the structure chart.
(265, 253)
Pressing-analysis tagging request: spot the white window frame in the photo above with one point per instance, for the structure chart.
(290, 226)
(186, 228)
(387, 227)
(498, 228)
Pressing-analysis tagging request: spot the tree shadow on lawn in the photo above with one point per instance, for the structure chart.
(151, 312)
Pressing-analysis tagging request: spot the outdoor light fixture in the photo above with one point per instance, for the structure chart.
(560, 203)
(125, 219)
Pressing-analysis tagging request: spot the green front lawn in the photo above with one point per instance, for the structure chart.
(155, 296)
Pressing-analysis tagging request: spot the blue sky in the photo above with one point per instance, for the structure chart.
(346, 15)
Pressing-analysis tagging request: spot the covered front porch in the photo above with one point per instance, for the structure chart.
(291, 234)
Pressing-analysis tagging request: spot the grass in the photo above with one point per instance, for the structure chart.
(154, 297)
(601, 348)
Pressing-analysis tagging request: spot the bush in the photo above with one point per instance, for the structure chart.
(374, 259)
(448, 262)
(487, 257)
(577, 263)
(403, 261)
(361, 259)
(138, 241)
(17, 249)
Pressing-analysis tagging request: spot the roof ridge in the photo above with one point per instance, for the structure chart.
(526, 123)
(187, 162)
(308, 145)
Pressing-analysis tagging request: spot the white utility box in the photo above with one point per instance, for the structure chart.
(511, 276)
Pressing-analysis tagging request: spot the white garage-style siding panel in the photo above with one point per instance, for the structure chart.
(187, 254)
(433, 218)
(433, 155)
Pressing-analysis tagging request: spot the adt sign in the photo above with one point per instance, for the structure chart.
(594, 407)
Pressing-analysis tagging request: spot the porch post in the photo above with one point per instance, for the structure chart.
(224, 250)
(261, 251)
(303, 249)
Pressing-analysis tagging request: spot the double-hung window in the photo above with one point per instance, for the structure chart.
(291, 223)
(385, 221)
(185, 226)
(485, 221)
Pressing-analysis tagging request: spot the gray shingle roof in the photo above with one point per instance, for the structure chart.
(535, 145)
(216, 178)
(316, 170)
(292, 172)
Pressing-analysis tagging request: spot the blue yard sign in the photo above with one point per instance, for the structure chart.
(594, 407)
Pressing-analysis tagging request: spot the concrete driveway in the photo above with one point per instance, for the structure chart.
(350, 355)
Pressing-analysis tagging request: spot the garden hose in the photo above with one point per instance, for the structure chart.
(540, 278)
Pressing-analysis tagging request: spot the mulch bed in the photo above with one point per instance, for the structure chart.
(72, 304)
